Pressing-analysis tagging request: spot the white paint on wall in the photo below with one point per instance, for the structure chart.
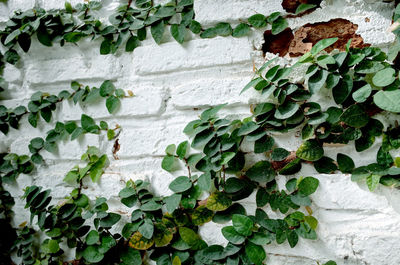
(356, 226)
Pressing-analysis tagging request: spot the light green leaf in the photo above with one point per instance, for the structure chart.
(308, 186)
(180, 184)
(355, 116)
(388, 100)
(322, 44)
(310, 150)
(157, 31)
(242, 224)
(384, 77)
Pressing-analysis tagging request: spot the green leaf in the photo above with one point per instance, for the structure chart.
(185, 3)
(242, 224)
(346, 164)
(211, 112)
(255, 253)
(232, 235)
(182, 149)
(37, 143)
(384, 158)
(317, 81)
(310, 150)
(162, 235)
(308, 186)
(279, 154)
(262, 197)
(355, 116)
(12, 36)
(172, 202)
(165, 11)
(107, 88)
(157, 31)
(388, 100)
(260, 238)
(195, 27)
(226, 157)
(147, 229)
(204, 182)
(325, 165)
(263, 144)
(91, 254)
(261, 172)
(258, 21)
(201, 215)
(137, 241)
(373, 181)
(241, 30)
(279, 25)
(92, 237)
(110, 220)
(384, 77)
(178, 32)
(131, 256)
(180, 184)
(189, 236)
(105, 47)
(322, 44)
(362, 94)
(223, 29)
(303, 8)
(112, 104)
(132, 43)
(176, 261)
(11, 56)
(252, 83)
(151, 206)
(73, 37)
(292, 238)
(88, 124)
(203, 138)
(247, 128)
(43, 36)
(287, 110)
(214, 252)
(218, 201)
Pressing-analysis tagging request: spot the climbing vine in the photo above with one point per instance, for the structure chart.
(220, 171)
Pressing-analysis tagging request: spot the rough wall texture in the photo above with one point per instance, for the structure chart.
(172, 83)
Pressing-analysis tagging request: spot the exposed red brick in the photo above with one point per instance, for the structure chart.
(308, 35)
(278, 44)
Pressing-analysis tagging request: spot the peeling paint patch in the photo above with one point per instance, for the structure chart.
(308, 35)
(301, 41)
(278, 44)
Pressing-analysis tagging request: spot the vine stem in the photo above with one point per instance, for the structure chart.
(126, 12)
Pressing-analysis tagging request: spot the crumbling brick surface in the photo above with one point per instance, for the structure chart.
(306, 36)
(278, 44)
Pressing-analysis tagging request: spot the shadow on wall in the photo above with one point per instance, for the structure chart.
(298, 43)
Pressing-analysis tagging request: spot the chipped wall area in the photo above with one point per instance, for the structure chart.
(173, 83)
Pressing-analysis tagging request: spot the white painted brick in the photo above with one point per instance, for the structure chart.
(146, 102)
(172, 56)
(23, 5)
(209, 11)
(66, 64)
(173, 84)
(211, 92)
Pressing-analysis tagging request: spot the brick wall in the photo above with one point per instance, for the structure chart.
(172, 84)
